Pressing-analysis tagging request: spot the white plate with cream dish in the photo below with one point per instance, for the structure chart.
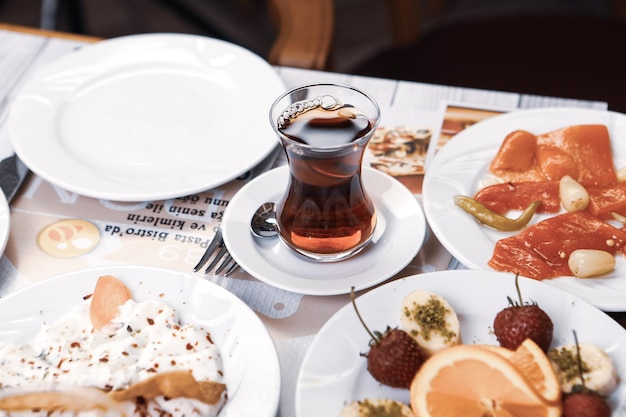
(462, 164)
(249, 359)
(146, 117)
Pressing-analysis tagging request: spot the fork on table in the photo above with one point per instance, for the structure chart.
(216, 252)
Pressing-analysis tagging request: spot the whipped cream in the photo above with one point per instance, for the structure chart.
(144, 339)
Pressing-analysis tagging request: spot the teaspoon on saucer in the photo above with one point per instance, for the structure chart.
(263, 223)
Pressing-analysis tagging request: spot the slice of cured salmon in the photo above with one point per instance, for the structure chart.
(580, 151)
(500, 198)
(541, 251)
(605, 200)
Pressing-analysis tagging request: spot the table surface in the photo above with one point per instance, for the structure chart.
(292, 319)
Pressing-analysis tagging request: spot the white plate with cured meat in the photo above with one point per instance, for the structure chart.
(460, 168)
(333, 372)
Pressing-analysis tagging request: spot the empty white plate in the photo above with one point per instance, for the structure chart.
(146, 117)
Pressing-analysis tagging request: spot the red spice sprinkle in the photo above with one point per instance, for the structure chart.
(151, 370)
(189, 346)
(208, 337)
(150, 321)
(104, 359)
(87, 297)
(75, 345)
(60, 363)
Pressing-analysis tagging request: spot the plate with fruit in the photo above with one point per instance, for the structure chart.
(459, 340)
(515, 174)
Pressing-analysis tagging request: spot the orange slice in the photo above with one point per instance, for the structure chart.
(472, 381)
(506, 353)
(535, 366)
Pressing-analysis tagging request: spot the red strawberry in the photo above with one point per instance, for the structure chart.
(585, 404)
(520, 321)
(394, 356)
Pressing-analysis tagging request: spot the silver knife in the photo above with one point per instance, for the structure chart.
(12, 173)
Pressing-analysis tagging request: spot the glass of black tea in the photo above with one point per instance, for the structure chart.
(325, 213)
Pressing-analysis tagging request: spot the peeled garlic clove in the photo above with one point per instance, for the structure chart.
(574, 197)
(586, 263)
(618, 217)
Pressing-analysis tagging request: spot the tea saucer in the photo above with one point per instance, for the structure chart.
(399, 235)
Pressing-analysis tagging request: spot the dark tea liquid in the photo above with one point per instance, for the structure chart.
(326, 210)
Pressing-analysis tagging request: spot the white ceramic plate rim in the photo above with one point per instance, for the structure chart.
(146, 117)
(251, 368)
(5, 222)
(462, 163)
(333, 373)
(398, 237)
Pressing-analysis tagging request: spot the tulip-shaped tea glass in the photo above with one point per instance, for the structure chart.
(325, 213)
